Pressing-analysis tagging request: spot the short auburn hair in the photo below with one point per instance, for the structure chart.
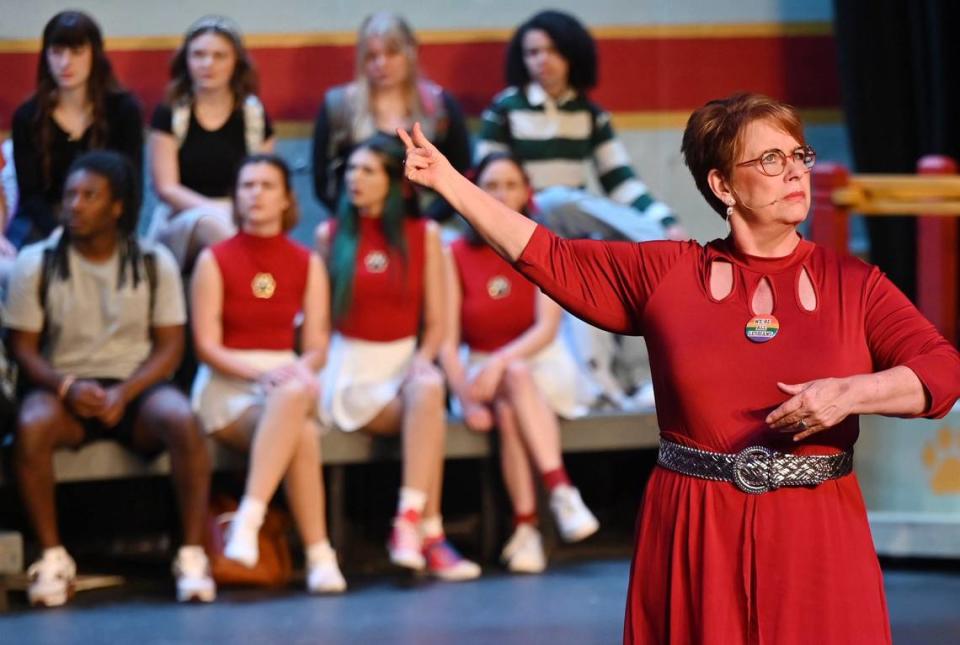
(713, 138)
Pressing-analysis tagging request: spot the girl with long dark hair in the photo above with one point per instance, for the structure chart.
(387, 289)
(78, 106)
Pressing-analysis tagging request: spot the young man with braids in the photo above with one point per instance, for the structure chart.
(97, 326)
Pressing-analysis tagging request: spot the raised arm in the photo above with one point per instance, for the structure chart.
(507, 231)
(606, 284)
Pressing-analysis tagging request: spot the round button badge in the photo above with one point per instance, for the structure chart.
(761, 329)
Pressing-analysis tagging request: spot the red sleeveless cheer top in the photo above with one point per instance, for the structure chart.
(264, 281)
(498, 303)
(388, 292)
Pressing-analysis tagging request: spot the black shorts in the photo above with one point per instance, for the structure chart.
(94, 429)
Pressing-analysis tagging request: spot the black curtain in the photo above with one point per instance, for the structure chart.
(899, 74)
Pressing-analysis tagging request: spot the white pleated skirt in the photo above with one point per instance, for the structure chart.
(556, 375)
(219, 400)
(361, 378)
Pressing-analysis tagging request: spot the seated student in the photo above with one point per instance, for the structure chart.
(253, 393)
(387, 282)
(96, 324)
(78, 106)
(389, 91)
(210, 119)
(547, 120)
(519, 373)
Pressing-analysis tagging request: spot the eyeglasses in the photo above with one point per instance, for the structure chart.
(773, 162)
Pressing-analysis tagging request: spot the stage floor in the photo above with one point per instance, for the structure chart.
(574, 602)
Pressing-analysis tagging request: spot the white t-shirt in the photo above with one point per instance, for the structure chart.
(91, 328)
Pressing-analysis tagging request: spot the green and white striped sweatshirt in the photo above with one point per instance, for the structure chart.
(553, 139)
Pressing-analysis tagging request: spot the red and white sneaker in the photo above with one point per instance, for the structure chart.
(405, 545)
(446, 563)
(51, 578)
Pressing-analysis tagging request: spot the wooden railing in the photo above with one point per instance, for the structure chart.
(933, 195)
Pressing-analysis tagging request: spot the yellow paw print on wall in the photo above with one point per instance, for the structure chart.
(941, 456)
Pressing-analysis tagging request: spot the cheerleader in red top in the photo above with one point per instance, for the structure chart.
(765, 348)
(519, 372)
(252, 392)
(387, 276)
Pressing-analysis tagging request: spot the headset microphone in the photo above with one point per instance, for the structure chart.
(754, 208)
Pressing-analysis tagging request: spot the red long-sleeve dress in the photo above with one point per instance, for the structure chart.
(714, 564)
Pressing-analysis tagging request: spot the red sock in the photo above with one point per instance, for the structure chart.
(556, 477)
(410, 515)
(525, 518)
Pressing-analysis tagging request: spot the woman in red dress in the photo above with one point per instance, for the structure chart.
(764, 348)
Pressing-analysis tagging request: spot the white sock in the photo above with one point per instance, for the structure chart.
(191, 550)
(411, 499)
(55, 552)
(319, 552)
(432, 527)
(250, 513)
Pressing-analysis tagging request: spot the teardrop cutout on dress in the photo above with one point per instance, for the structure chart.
(762, 301)
(806, 292)
(721, 279)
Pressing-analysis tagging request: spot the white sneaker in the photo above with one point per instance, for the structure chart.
(51, 578)
(523, 552)
(242, 545)
(574, 520)
(323, 574)
(191, 568)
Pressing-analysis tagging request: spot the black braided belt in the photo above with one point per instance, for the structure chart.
(755, 469)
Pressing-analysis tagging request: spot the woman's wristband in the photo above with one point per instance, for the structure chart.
(65, 384)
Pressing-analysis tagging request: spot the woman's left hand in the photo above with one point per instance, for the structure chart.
(813, 407)
(280, 375)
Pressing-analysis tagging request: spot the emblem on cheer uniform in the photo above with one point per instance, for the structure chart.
(498, 287)
(376, 262)
(263, 285)
(760, 329)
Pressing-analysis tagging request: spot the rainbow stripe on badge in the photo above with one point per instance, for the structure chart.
(761, 329)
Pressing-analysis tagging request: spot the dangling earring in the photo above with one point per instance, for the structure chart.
(729, 212)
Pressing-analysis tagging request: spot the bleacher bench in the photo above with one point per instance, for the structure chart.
(598, 432)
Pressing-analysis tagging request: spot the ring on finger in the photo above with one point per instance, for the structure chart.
(802, 423)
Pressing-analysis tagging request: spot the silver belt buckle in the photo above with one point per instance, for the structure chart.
(753, 470)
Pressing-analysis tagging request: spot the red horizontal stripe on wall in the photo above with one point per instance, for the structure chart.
(636, 75)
